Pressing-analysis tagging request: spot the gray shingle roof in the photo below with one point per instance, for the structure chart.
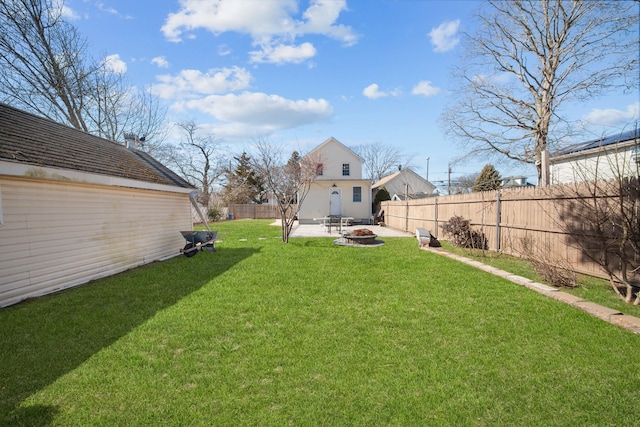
(29, 139)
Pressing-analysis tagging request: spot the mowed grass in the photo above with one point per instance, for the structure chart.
(589, 288)
(311, 333)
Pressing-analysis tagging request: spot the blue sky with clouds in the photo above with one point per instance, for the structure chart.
(299, 72)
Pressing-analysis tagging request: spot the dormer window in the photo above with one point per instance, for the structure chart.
(345, 169)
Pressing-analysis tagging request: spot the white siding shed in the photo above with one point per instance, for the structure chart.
(76, 208)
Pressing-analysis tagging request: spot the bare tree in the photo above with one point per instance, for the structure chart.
(380, 160)
(45, 68)
(199, 159)
(116, 107)
(527, 60)
(602, 218)
(42, 59)
(289, 182)
(464, 184)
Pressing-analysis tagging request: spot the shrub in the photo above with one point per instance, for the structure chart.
(557, 272)
(459, 229)
(214, 214)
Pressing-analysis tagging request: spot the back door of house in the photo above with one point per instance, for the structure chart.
(335, 201)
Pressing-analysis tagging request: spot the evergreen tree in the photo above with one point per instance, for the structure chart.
(243, 184)
(489, 179)
(381, 196)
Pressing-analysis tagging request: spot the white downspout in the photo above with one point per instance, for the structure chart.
(194, 202)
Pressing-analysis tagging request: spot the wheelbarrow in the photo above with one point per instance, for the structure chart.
(198, 241)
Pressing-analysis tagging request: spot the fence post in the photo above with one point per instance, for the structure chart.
(498, 218)
(406, 215)
(435, 218)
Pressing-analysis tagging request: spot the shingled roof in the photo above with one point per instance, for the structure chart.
(29, 139)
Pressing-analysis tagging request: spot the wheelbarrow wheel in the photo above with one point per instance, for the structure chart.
(186, 250)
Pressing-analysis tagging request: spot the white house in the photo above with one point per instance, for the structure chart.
(515, 182)
(610, 157)
(405, 184)
(338, 188)
(75, 207)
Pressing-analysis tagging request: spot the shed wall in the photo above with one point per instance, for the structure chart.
(57, 235)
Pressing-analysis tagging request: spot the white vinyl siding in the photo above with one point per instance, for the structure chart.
(58, 234)
(604, 163)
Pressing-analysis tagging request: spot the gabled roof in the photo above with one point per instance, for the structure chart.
(33, 140)
(397, 174)
(386, 179)
(332, 140)
(600, 142)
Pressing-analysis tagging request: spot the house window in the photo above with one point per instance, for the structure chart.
(345, 169)
(357, 194)
(319, 169)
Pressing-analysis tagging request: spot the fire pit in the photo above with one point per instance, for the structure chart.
(361, 236)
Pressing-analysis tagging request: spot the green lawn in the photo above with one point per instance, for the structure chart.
(311, 333)
(589, 288)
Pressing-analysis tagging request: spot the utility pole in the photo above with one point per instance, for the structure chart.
(427, 169)
(449, 179)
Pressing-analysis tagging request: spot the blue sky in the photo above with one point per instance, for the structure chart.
(299, 72)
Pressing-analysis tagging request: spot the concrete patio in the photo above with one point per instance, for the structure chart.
(317, 230)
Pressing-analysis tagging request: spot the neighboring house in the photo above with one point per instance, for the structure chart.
(404, 185)
(604, 158)
(338, 188)
(75, 207)
(515, 182)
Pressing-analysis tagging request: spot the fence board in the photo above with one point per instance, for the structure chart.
(542, 215)
(253, 211)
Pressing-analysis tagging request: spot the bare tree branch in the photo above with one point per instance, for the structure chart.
(527, 60)
(199, 159)
(45, 68)
(380, 160)
(289, 182)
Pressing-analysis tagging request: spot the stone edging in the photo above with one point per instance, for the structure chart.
(630, 323)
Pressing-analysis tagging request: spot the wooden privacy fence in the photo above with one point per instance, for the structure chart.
(547, 218)
(253, 211)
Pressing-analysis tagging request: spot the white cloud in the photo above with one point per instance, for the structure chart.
(425, 88)
(107, 9)
(114, 64)
(224, 50)
(273, 24)
(160, 61)
(69, 13)
(321, 17)
(260, 111)
(194, 83)
(284, 54)
(612, 116)
(257, 18)
(444, 37)
(373, 92)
